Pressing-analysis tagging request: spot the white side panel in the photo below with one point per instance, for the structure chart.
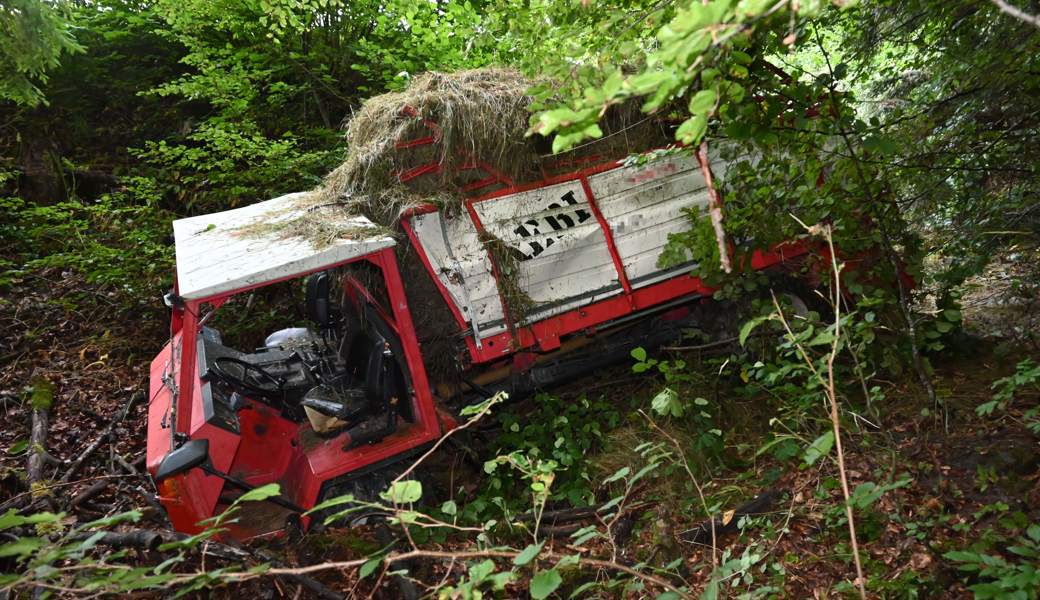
(463, 266)
(643, 205)
(563, 258)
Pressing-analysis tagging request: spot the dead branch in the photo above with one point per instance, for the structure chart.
(38, 443)
(564, 515)
(394, 558)
(90, 493)
(831, 393)
(714, 208)
(728, 522)
(101, 439)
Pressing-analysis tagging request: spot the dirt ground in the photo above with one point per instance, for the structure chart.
(956, 478)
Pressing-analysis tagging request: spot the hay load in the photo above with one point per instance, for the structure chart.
(446, 137)
(477, 113)
(474, 115)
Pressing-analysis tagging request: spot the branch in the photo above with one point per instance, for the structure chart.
(714, 207)
(413, 554)
(1016, 12)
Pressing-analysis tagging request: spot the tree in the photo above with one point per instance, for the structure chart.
(34, 34)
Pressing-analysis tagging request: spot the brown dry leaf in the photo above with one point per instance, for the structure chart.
(727, 516)
(920, 560)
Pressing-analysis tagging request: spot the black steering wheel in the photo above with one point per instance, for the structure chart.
(261, 384)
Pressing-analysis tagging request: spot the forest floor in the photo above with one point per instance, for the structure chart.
(934, 479)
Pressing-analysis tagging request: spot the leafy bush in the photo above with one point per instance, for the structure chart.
(559, 430)
(117, 242)
(1000, 577)
(1025, 377)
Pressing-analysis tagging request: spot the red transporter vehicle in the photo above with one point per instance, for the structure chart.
(319, 408)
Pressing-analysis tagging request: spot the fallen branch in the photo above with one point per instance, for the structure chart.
(727, 523)
(564, 515)
(38, 444)
(91, 492)
(42, 397)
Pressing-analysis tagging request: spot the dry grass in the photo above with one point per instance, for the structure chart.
(480, 112)
(319, 223)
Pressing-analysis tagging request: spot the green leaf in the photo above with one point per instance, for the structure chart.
(820, 447)
(692, 130)
(622, 472)
(545, 583)
(261, 493)
(639, 354)
(986, 408)
(338, 500)
(666, 403)
(528, 554)
(703, 102)
(12, 519)
(18, 447)
(403, 492)
(21, 547)
(750, 326)
(370, 566)
(481, 570)
(449, 508)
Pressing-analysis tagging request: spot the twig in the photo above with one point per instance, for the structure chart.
(459, 556)
(105, 435)
(492, 402)
(831, 393)
(696, 484)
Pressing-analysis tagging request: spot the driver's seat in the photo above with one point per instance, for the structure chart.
(320, 309)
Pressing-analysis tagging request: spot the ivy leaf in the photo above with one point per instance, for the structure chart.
(545, 583)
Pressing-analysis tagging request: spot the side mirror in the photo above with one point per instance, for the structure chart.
(319, 308)
(189, 455)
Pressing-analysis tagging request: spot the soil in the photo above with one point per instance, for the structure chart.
(965, 475)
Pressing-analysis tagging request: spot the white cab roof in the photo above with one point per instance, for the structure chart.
(215, 257)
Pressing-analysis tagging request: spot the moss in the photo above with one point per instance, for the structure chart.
(42, 392)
